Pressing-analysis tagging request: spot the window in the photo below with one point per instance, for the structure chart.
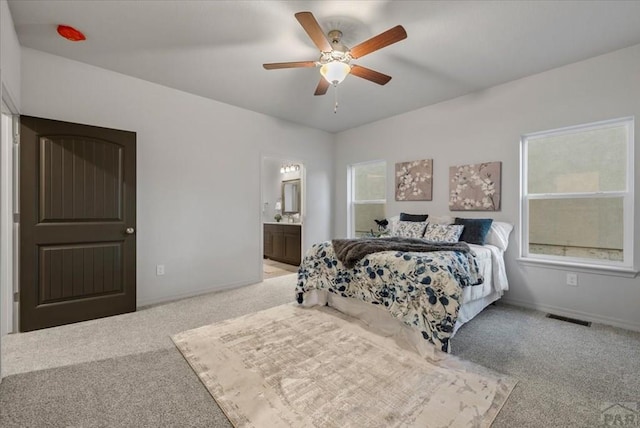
(367, 196)
(577, 195)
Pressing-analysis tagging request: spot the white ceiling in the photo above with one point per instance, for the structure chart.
(216, 49)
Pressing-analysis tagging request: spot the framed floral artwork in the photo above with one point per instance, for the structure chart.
(414, 180)
(475, 187)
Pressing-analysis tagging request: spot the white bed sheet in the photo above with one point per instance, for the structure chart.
(474, 299)
(490, 260)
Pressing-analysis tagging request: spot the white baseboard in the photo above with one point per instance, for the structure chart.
(193, 293)
(615, 322)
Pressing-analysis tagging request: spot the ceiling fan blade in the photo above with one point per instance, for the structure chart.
(323, 85)
(369, 74)
(277, 65)
(314, 30)
(387, 38)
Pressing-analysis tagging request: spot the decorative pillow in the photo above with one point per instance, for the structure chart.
(443, 232)
(499, 234)
(410, 229)
(441, 219)
(475, 229)
(393, 224)
(413, 217)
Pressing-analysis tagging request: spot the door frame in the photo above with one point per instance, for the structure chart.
(9, 213)
(303, 201)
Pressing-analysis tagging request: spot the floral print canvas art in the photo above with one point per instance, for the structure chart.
(475, 187)
(414, 180)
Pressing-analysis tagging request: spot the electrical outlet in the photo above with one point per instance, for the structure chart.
(159, 270)
(572, 279)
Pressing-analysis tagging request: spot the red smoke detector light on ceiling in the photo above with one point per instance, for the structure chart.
(70, 33)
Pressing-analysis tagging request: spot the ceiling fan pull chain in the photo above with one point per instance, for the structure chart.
(335, 94)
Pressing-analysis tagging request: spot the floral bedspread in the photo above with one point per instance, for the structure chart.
(421, 289)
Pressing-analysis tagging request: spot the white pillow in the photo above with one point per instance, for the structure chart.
(499, 234)
(443, 232)
(410, 229)
(441, 219)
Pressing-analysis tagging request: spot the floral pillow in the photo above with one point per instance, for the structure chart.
(443, 232)
(410, 229)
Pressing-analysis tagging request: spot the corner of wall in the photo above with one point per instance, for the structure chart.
(10, 59)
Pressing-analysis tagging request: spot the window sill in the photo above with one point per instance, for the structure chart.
(581, 267)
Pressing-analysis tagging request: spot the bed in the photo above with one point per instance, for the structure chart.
(423, 297)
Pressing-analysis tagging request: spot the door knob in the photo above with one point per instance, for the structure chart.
(130, 231)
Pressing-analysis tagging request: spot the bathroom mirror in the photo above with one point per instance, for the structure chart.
(291, 197)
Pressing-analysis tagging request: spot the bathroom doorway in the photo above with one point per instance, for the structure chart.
(282, 216)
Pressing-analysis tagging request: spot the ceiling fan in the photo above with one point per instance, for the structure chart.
(335, 57)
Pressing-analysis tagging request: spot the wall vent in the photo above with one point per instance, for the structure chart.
(571, 320)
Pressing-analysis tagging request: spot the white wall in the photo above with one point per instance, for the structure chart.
(199, 162)
(9, 56)
(486, 126)
(271, 182)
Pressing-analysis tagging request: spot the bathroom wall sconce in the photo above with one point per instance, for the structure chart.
(289, 168)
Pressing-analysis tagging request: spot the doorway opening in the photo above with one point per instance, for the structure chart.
(282, 215)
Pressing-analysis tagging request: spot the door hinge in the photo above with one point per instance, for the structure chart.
(16, 217)
(16, 128)
(16, 297)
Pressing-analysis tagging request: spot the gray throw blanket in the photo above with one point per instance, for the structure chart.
(349, 251)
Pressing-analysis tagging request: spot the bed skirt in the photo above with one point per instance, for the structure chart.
(382, 322)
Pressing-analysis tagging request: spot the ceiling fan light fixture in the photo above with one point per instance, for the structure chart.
(335, 72)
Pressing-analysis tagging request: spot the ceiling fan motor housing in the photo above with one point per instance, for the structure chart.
(335, 36)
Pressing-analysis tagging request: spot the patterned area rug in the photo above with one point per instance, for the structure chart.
(293, 367)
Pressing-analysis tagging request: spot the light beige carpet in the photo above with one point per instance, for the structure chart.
(295, 367)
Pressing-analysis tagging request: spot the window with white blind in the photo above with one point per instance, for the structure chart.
(577, 195)
(367, 196)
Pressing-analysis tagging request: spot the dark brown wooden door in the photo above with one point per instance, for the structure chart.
(77, 200)
(292, 245)
(278, 245)
(268, 241)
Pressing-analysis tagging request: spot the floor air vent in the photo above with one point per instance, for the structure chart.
(571, 320)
